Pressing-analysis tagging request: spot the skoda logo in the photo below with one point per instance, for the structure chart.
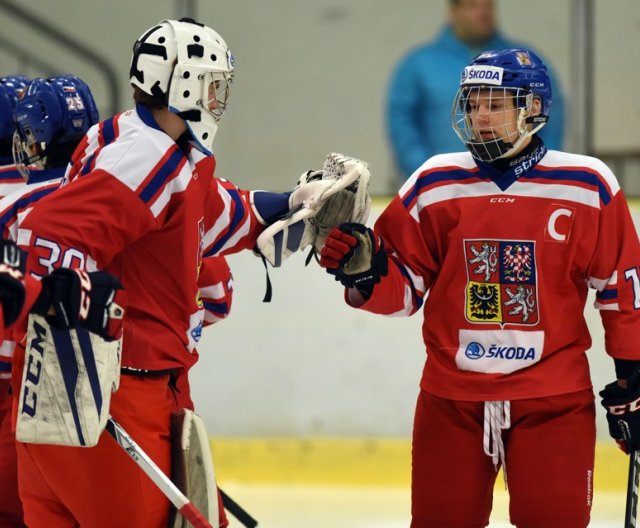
(474, 350)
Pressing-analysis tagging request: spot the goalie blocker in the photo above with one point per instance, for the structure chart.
(322, 200)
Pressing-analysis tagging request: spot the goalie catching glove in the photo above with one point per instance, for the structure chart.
(355, 255)
(321, 201)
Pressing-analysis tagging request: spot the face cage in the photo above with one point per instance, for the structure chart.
(216, 88)
(493, 138)
(27, 152)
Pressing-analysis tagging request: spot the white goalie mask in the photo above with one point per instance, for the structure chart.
(187, 67)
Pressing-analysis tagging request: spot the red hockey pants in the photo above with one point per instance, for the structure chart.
(549, 449)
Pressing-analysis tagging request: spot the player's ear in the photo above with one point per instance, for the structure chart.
(536, 106)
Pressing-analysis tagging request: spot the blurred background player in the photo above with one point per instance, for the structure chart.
(420, 91)
(51, 117)
(507, 380)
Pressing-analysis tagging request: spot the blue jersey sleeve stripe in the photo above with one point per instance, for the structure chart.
(168, 169)
(107, 135)
(238, 215)
(108, 132)
(86, 169)
(414, 293)
(26, 201)
(217, 308)
(8, 215)
(606, 295)
(574, 176)
(437, 176)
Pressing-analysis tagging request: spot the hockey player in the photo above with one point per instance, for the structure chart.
(506, 239)
(11, 88)
(51, 117)
(140, 200)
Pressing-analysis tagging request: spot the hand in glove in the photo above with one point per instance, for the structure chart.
(12, 289)
(623, 412)
(72, 297)
(355, 255)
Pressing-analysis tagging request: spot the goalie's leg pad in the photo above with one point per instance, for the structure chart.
(192, 467)
(67, 381)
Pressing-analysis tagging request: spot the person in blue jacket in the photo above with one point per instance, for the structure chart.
(418, 108)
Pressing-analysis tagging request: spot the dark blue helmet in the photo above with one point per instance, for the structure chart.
(516, 73)
(52, 112)
(521, 68)
(11, 88)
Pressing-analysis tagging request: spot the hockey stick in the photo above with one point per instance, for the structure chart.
(631, 509)
(237, 511)
(168, 488)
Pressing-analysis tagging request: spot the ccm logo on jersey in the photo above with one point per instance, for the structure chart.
(625, 407)
(559, 223)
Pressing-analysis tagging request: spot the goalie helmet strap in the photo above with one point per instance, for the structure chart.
(268, 293)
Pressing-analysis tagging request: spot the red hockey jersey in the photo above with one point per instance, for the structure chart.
(507, 263)
(136, 204)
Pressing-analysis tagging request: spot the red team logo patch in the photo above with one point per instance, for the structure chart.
(501, 282)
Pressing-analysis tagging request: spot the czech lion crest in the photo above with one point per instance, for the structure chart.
(501, 282)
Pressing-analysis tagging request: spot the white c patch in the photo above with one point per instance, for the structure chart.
(498, 351)
(552, 227)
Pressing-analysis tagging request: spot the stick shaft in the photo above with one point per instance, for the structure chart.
(164, 483)
(631, 509)
(237, 511)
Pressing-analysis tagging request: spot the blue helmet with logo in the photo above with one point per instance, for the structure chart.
(518, 74)
(53, 115)
(11, 88)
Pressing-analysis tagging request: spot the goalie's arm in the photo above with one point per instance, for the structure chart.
(247, 213)
(321, 200)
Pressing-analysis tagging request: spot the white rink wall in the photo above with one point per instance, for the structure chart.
(308, 365)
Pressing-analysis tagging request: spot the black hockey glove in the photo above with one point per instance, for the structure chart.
(12, 291)
(72, 297)
(355, 254)
(623, 412)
